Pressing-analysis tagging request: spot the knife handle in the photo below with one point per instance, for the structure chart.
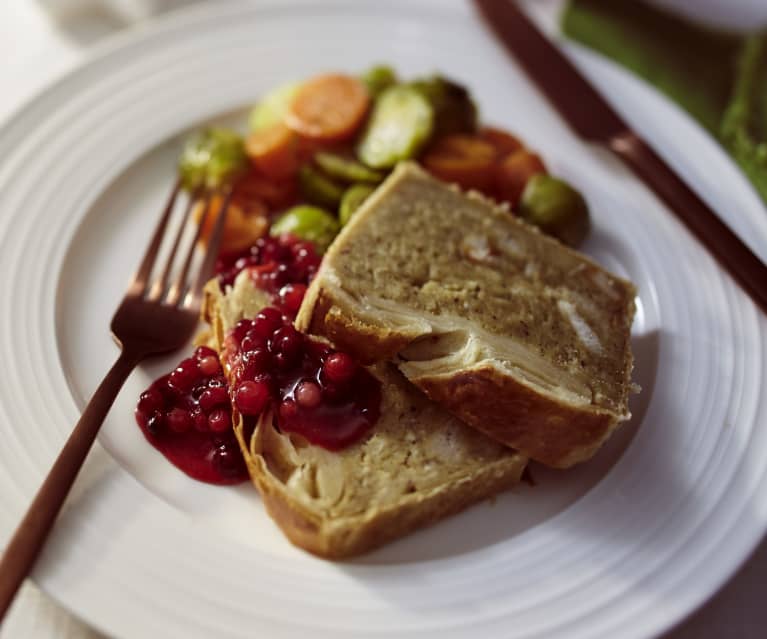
(724, 245)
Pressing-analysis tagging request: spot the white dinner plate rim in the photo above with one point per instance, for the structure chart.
(17, 122)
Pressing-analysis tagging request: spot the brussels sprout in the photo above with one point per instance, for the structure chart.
(308, 223)
(341, 168)
(271, 109)
(319, 189)
(454, 110)
(400, 125)
(378, 78)
(556, 208)
(211, 158)
(353, 198)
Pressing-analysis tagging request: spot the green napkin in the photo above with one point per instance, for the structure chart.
(719, 77)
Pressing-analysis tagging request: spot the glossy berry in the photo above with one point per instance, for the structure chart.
(334, 392)
(308, 394)
(200, 421)
(251, 397)
(254, 362)
(303, 250)
(245, 262)
(266, 322)
(275, 252)
(273, 279)
(190, 418)
(155, 423)
(219, 420)
(241, 329)
(185, 375)
(209, 365)
(288, 409)
(252, 341)
(339, 368)
(272, 262)
(150, 401)
(304, 258)
(198, 390)
(213, 397)
(179, 420)
(201, 352)
(291, 296)
(287, 342)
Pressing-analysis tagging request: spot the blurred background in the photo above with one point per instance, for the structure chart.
(708, 56)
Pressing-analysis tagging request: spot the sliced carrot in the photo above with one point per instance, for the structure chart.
(513, 172)
(241, 229)
(273, 150)
(503, 141)
(464, 159)
(256, 189)
(328, 107)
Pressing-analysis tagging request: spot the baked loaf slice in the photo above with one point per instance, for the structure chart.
(518, 335)
(416, 465)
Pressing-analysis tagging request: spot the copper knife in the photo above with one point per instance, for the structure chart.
(594, 120)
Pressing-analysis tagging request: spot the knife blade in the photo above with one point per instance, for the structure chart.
(592, 118)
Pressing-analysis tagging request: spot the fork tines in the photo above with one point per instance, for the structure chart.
(186, 247)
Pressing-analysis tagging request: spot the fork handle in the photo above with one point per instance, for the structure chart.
(30, 536)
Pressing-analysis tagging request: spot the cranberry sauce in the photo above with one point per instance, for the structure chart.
(186, 415)
(282, 266)
(315, 391)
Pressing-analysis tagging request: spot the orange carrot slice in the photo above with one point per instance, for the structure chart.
(256, 189)
(514, 171)
(241, 229)
(273, 150)
(328, 107)
(503, 141)
(466, 160)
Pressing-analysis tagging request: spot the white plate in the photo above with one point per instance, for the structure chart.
(628, 543)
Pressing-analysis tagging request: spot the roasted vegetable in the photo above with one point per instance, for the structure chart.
(503, 141)
(378, 78)
(328, 108)
(271, 109)
(319, 189)
(273, 150)
(400, 125)
(211, 158)
(308, 223)
(454, 110)
(352, 199)
(513, 173)
(241, 229)
(346, 169)
(556, 208)
(467, 160)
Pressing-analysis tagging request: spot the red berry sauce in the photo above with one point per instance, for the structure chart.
(282, 266)
(314, 390)
(186, 415)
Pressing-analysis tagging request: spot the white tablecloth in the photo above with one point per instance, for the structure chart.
(34, 50)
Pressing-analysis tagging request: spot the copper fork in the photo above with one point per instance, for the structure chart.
(154, 317)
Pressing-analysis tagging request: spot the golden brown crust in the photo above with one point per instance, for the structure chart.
(321, 314)
(555, 399)
(344, 537)
(553, 432)
(541, 426)
(308, 521)
(549, 430)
